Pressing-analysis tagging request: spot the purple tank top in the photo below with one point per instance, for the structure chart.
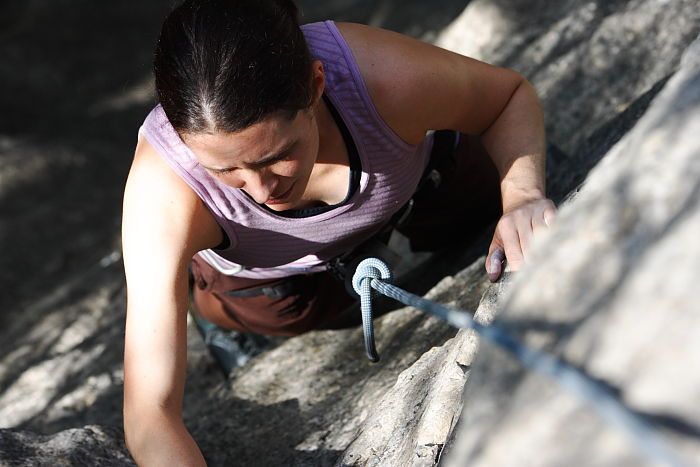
(266, 245)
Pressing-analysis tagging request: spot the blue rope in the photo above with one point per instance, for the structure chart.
(375, 269)
(372, 273)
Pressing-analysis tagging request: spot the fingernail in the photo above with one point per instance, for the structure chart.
(495, 270)
(498, 256)
(496, 264)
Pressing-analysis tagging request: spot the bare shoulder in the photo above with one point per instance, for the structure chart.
(161, 209)
(417, 86)
(375, 51)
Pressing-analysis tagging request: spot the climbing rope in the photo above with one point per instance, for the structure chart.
(372, 268)
(372, 274)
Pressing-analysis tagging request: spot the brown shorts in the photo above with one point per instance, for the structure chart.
(466, 200)
(276, 307)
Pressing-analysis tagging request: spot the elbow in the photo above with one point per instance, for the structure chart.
(524, 90)
(528, 87)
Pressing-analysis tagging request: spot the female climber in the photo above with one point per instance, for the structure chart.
(277, 149)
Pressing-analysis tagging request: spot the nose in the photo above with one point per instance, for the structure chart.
(259, 184)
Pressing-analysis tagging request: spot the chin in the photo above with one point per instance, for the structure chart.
(280, 207)
(289, 203)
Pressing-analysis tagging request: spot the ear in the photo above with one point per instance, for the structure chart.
(318, 81)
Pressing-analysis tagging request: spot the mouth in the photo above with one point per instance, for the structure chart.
(280, 198)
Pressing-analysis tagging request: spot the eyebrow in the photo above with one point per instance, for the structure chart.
(266, 160)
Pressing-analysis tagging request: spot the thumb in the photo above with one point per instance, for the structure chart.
(494, 261)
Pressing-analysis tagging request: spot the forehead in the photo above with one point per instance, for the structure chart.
(260, 137)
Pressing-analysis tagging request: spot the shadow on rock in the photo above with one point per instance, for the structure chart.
(235, 431)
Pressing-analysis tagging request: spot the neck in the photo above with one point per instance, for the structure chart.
(330, 171)
(330, 138)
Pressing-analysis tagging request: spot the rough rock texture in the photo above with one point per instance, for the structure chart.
(324, 396)
(315, 400)
(589, 60)
(413, 420)
(595, 64)
(90, 445)
(616, 297)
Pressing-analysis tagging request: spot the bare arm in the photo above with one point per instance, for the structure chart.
(159, 239)
(517, 138)
(417, 87)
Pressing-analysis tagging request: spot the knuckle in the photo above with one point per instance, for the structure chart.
(507, 221)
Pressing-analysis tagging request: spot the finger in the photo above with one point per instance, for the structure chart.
(545, 217)
(494, 264)
(538, 225)
(511, 245)
(496, 244)
(496, 241)
(525, 236)
(549, 214)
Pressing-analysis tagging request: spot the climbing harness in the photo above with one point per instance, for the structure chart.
(372, 274)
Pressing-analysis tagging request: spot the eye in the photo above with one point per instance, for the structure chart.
(219, 172)
(270, 162)
(285, 156)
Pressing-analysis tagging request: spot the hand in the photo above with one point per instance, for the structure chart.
(514, 233)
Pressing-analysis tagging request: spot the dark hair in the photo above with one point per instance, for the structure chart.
(223, 65)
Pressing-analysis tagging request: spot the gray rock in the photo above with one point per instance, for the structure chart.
(306, 399)
(589, 60)
(89, 445)
(412, 422)
(612, 290)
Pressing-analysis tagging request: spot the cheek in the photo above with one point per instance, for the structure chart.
(301, 163)
(289, 168)
(310, 152)
(229, 179)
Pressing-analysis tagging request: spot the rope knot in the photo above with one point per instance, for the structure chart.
(369, 268)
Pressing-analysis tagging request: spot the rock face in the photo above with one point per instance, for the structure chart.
(589, 60)
(611, 288)
(89, 445)
(412, 422)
